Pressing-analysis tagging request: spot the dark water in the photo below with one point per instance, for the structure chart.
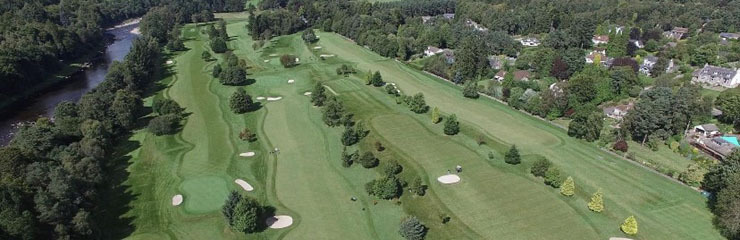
(73, 89)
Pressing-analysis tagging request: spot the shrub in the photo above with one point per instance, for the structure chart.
(621, 145)
(164, 124)
(412, 229)
(379, 146)
(349, 136)
(386, 188)
(240, 101)
(629, 226)
(345, 69)
(553, 177)
(539, 168)
(512, 156)
(597, 202)
(216, 71)
(491, 156)
(568, 188)
(392, 167)
(417, 187)
(377, 79)
(368, 160)
(452, 126)
(288, 60)
(206, 55)
(436, 116)
(417, 103)
(309, 36)
(348, 158)
(247, 135)
(243, 213)
(470, 90)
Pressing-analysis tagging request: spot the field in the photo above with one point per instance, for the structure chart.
(306, 179)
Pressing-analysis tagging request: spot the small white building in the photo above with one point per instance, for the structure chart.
(530, 42)
(600, 39)
(431, 51)
(707, 130)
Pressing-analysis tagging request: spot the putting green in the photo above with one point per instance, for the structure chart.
(204, 194)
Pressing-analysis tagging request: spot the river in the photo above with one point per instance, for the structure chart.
(72, 90)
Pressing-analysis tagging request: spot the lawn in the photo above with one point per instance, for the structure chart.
(306, 179)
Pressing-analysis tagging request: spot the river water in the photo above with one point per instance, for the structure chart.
(72, 90)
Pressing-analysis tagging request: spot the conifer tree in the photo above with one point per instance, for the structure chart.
(568, 188)
(435, 115)
(629, 226)
(452, 126)
(512, 156)
(597, 202)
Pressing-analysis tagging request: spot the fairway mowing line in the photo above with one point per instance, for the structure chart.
(331, 90)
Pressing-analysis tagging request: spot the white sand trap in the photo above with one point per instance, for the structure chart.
(267, 60)
(291, 81)
(307, 93)
(244, 185)
(247, 154)
(326, 55)
(619, 238)
(273, 55)
(449, 179)
(317, 47)
(260, 98)
(274, 98)
(280, 221)
(169, 62)
(177, 200)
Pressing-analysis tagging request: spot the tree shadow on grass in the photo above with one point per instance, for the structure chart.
(114, 200)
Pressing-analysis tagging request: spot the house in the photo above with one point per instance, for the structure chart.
(717, 76)
(637, 43)
(591, 57)
(497, 62)
(448, 16)
(425, 19)
(618, 29)
(519, 75)
(719, 146)
(647, 64)
(733, 36)
(716, 112)
(530, 42)
(618, 112)
(599, 50)
(431, 51)
(600, 39)
(677, 33)
(707, 130)
(475, 25)
(449, 56)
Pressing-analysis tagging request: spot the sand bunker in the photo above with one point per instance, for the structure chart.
(244, 185)
(317, 47)
(274, 98)
(307, 94)
(449, 179)
(326, 55)
(619, 238)
(280, 221)
(177, 200)
(267, 60)
(291, 81)
(273, 55)
(260, 98)
(169, 62)
(247, 154)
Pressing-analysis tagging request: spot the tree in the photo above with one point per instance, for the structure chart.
(417, 103)
(377, 79)
(587, 124)
(621, 146)
(218, 45)
(368, 160)
(470, 90)
(392, 167)
(240, 102)
(623, 78)
(458, 78)
(349, 136)
(233, 76)
(126, 108)
(559, 69)
(452, 126)
(309, 36)
(539, 168)
(470, 61)
(436, 117)
(288, 60)
(568, 188)
(349, 158)
(243, 213)
(216, 70)
(553, 177)
(163, 106)
(318, 96)
(387, 187)
(629, 226)
(417, 187)
(729, 102)
(164, 124)
(333, 112)
(206, 55)
(597, 202)
(412, 229)
(512, 156)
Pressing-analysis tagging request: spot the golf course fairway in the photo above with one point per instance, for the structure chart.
(305, 178)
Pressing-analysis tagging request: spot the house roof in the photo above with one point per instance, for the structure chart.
(716, 112)
(603, 38)
(651, 58)
(448, 15)
(521, 74)
(680, 30)
(709, 127)
(720, 145)
(730, 35)
(725, 73)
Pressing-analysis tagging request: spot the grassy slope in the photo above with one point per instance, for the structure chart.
(664, 209)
